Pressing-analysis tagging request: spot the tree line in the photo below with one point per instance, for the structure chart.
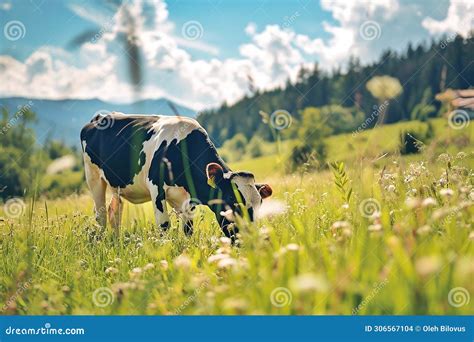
(422, 71)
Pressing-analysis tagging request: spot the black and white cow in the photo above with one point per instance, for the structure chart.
(165, 159)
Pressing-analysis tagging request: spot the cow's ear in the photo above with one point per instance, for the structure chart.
(214, 173)
(264, 189)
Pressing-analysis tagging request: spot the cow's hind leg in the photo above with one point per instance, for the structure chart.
(115, 211)
(97, 187)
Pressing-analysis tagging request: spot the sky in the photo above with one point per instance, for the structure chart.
(200, 53)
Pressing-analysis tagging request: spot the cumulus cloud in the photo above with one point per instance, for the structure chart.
(459, 19)
(272, 55)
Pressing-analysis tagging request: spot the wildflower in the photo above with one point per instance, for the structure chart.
(217, 257)
(444, 158)
(182, 261)
(412, 202)
(427, 265)
(391, 188)
(375, 228)
(136, 271)
(340, 224)
(292, 247)
(423, 230)
(117, 260)
(446, 192)
(227, 263)
(164, 264)
(225, 241)
(111, 270)
(149, 266)
(345, 206)
(440, 213)
(309, 282)
(238, 304)
(428, 202)
(461, 155)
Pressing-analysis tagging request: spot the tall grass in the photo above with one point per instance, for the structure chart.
(400, 243)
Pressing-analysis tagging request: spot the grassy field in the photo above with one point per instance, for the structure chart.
(401, 244)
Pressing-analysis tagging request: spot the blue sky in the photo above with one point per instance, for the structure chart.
(199, 53)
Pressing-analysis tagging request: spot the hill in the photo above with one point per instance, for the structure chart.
(63, 119)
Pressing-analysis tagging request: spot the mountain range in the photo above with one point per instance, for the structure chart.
(63, 119)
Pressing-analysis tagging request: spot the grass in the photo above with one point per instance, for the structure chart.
(325, 255)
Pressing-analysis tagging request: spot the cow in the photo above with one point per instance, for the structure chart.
(167, 160)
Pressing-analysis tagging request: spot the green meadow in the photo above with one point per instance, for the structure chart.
(376, 233)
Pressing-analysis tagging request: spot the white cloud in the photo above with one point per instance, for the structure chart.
(460, 19)
(99, 69)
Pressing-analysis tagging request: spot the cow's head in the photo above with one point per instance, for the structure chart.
(240, 193)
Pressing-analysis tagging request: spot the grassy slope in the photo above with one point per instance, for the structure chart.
(364, 146)
(325, 268)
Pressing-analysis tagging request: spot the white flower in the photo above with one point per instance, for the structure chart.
(427, 265)
(423, 230)
(375, 228)
(227, 263)
(137, 270)
(429, 202)
(111, 270)
(340, 224)
(292, 247)
(225, 241)
(446, 192)
(391, 188)
(149, 266)
(217, 257)
(412, 202)
(164, 264)
(182, 261)
(309, 282)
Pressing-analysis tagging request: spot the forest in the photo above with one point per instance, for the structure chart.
(423, 71)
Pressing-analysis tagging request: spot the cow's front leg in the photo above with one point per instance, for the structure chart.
(159, 206)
